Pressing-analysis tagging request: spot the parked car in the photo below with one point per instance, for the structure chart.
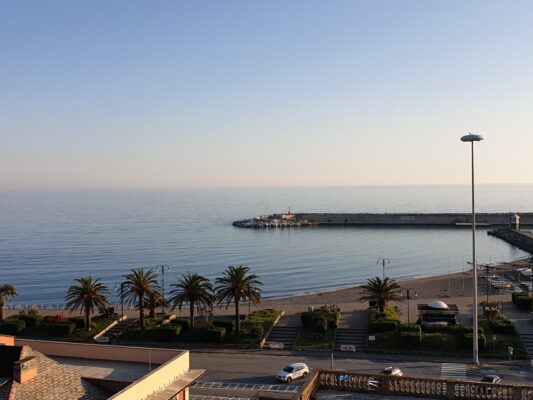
(292, 372)
(392, 371)
(491, 379)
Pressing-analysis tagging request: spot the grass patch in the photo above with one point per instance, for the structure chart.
(316, 340)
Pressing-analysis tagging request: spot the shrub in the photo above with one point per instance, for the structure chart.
(167, 332)
(31, 320)
(316, 320)
(204, 335)
(411, 340)
(228, 324)
(184, 322)
(410, 328)
(469, 337)
(59, 328)
(256, 331)
(383, 325)
(78, 321)
(457, 329)
(522, 301)
(12, 326)
(502, 326)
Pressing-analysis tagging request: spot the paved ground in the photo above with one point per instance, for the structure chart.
(259, 367)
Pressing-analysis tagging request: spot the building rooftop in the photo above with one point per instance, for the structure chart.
(50, 381)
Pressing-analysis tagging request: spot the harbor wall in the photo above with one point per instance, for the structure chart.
(452, 219)
(522, 240)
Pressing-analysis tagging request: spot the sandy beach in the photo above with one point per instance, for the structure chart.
(452, 288)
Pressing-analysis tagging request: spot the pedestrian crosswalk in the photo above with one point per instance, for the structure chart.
(453, 371)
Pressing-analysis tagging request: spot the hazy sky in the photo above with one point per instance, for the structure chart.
(236, 93)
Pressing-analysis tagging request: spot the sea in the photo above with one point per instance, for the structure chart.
(50, 238)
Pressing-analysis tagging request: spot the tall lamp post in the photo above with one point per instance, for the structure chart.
(383, 261)
(471, 138)
(121, 295)
(409, 296)
(163, 268)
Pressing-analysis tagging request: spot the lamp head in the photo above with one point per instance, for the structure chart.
(471, 137)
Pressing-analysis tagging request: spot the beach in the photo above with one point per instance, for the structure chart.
(453, 288)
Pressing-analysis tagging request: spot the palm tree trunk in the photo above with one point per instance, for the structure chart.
(191, 309)
(87, 319)
(237, 317)
(141, 312)
(152, 312)
(1, 309)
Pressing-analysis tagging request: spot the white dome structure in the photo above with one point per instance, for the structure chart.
(438, 305)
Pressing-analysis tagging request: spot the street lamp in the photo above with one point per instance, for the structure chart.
(383, 261)
(163, 268)
(408, 295)
(121, 305)
(471, 138)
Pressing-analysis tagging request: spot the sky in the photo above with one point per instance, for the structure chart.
(135, 94)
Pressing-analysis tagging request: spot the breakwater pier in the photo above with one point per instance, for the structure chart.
(289, 220)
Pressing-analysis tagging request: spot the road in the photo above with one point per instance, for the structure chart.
(259, 367)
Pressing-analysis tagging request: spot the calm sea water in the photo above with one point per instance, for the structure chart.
(47, 239)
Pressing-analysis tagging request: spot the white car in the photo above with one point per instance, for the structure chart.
(292, 372)
(390, 371)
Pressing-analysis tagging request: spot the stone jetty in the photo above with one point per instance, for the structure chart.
(289, 219)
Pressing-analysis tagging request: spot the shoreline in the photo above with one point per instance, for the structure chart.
(456, 285)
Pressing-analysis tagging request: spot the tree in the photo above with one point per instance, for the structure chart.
(154, 300)
(87, 295)
(7, 291)
(235, 286)
(194, 290)
(138, 285)
(381, 292)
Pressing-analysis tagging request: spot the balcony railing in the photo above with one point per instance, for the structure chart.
(411, 386)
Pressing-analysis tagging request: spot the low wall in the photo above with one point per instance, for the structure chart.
(102, 351)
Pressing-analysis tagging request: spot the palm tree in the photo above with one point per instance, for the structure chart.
(7, 291)
(381, 291)
(236, 285)
(87, 295)
(137, 286)
(193, 289)
(153, 300)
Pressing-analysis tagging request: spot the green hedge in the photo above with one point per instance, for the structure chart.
(227, 324)
(184, 322)
(64, 328)
(383, 325)
(502, 326)
(522, 301)
(411, 340)
(12, 326)
(204, 335)
(31, 320)
(255, 331)
(469, 337)
(410, 328)
(315, 320)
(456, 329)
(167, 332)
(78, 321)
